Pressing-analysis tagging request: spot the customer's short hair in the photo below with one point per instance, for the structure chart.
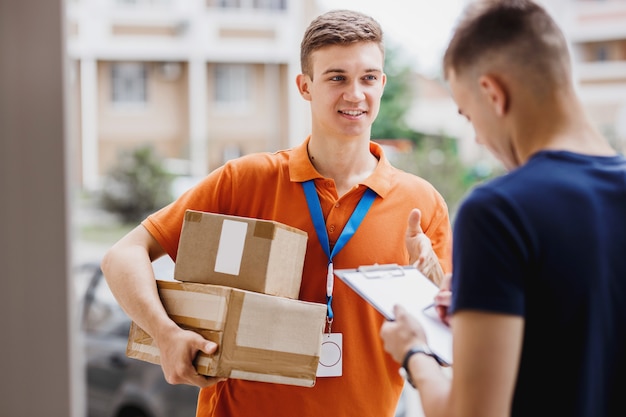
(517, 33)
(338, 27)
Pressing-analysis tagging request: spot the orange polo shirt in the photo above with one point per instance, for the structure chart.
(268, 186)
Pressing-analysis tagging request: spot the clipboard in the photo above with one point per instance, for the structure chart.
(383, 286)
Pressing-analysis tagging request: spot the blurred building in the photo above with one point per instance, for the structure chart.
(596, 30)
(434, 113)
(202, 81)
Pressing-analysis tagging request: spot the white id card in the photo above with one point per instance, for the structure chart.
(331, 355)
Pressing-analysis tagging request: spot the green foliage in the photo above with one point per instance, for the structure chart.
(435, 159)
(390, 123)
(137, 185)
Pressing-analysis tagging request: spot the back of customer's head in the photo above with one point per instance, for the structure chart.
(338, 27)
(516, 37)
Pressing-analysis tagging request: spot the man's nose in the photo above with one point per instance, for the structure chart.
(354, 92)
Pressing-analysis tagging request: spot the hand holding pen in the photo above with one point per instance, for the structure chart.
(443, 299)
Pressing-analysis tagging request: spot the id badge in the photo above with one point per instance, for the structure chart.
(331, 355)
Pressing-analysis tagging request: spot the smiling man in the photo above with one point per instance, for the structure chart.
(314, 187)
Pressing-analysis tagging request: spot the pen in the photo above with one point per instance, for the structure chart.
(431, 305)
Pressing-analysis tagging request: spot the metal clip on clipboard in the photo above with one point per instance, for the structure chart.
(381, 271)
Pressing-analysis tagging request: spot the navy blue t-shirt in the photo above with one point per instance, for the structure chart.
(547, 242)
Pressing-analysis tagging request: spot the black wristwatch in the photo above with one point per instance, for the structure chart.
(419, 349)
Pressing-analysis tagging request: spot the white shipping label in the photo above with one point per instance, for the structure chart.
(230, 249)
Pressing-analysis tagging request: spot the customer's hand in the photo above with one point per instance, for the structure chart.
(443, 299)
(401, 334)
(420, 248)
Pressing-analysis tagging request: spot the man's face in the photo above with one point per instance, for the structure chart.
(345, 88)
(490, 128)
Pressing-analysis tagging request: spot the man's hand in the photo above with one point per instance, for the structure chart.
(401, 334)
(443, 299)
(179, 348)
(421, 253)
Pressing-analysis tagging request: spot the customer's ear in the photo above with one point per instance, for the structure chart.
(495, 93)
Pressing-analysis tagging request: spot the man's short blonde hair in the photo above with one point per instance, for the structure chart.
(338, 27)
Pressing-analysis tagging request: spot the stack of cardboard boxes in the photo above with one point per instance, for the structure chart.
(237, 282)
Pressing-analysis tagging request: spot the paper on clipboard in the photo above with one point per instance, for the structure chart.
(383, 286)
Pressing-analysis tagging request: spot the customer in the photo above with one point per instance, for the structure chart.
(342, 77)
(539, 272)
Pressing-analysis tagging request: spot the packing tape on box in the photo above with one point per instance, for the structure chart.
(141, 345)
(217, 315)
(193, 216)
(264, 230)
(211, 306)
(276, 379)
(281, 363)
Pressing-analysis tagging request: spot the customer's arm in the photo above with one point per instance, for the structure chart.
(486, 354)
(127, 267)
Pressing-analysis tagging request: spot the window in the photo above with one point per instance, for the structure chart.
(129, 83)
(601, 53)
(249, 4)
(270, 4)
(228, 3)
(233, 85)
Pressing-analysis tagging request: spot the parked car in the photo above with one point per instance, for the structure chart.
(118, 386)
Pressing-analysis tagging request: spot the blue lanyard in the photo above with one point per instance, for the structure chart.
(315, 208)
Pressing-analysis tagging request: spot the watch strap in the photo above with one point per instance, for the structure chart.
(419, 349)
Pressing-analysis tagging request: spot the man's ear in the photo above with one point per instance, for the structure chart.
(495, 93)
(302, 82)
(384, 80)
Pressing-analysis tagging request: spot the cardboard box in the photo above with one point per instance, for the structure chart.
(240, 252)
(261, 337)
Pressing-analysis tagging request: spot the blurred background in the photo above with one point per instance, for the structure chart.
(158, 93)
(178, 87)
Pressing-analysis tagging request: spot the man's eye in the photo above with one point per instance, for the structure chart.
(371, 77)
(338, 78)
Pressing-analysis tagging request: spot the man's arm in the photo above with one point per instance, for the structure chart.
(486, 353)
(127, 267)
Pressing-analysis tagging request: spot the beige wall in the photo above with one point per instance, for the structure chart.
(261, 127)
(162, 122)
